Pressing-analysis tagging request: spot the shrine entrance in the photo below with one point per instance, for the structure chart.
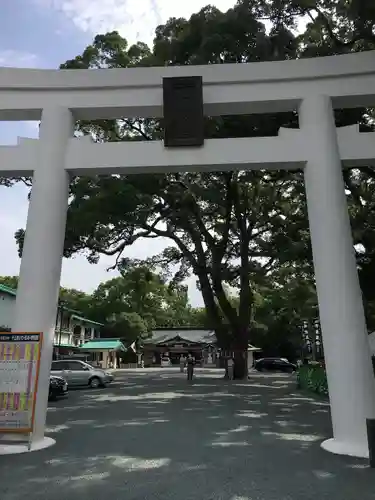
(311, 87)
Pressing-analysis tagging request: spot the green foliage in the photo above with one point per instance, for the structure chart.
(313, 378)
(76, 300)
(334, 25)
(139, 300)
(132, 304)
(283, 304)
(9, 281)
(127, 325)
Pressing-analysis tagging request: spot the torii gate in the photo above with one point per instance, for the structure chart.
(311, 86)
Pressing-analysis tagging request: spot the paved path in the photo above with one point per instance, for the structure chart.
(152, 436)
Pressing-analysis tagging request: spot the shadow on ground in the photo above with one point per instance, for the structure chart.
(156, 436)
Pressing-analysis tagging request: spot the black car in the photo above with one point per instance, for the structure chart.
(58, 387)
(275, 365)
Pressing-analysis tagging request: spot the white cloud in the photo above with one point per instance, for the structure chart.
(134, 19)
(18, 59)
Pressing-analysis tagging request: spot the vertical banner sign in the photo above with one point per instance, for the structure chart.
(19, 372)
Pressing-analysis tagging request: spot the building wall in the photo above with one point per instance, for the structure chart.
(66, 338)
(7, 309)
(7, 305)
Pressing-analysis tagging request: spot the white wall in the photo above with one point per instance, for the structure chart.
(7, 305)
(65, 338)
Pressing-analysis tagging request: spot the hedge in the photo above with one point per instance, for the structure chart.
(313, 378)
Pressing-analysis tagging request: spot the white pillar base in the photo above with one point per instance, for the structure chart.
(341, 448)
(17, 448)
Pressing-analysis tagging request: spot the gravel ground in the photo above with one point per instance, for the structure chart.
(154, 436)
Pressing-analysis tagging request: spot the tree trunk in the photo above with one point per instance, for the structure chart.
(240, 364)
(240, 347)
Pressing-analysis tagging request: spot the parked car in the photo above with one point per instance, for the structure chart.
(275, 365)
(165, 361)
(79, 373)
(58, 387)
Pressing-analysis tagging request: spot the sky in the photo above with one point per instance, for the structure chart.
(44, 34)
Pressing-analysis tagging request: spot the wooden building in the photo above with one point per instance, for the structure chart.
(170, 344)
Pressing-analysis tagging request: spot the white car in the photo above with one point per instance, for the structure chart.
(165, 361)
(77, 372)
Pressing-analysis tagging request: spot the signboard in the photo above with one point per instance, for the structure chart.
(19, 372)
(183, 111)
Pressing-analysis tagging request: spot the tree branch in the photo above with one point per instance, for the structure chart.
(138, 129)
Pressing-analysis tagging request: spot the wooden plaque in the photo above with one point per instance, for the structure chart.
(183, 111)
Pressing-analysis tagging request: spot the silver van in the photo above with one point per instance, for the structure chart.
(79, 373)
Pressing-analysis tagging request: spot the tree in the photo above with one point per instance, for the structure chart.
(283, 304)
(131, 305)
(76, 300)
(138, 301)
(9, 281)
(336, 27)
(340, 25)
(127, 325)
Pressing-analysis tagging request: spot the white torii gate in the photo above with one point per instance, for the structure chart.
(312, 87)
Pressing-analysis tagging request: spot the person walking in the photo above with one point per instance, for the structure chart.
(230, 364)
(190, 367)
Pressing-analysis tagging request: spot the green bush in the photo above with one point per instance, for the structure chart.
(313, 378)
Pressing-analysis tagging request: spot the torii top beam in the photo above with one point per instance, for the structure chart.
(137, 92)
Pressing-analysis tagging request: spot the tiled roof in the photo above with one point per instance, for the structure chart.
(103, 345)
(9, 291)
(198, 336)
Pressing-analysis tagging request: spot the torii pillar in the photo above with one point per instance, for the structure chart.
(351, 381)
(38, 287)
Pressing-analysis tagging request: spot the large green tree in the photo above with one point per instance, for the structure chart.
(283, 304)
(132, 304)
(139, 300)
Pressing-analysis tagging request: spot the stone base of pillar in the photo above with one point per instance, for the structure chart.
(17, 448)
(337, 447)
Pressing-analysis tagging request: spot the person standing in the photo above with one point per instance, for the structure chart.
(230, 364)
(190, 367)
(182, 363)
